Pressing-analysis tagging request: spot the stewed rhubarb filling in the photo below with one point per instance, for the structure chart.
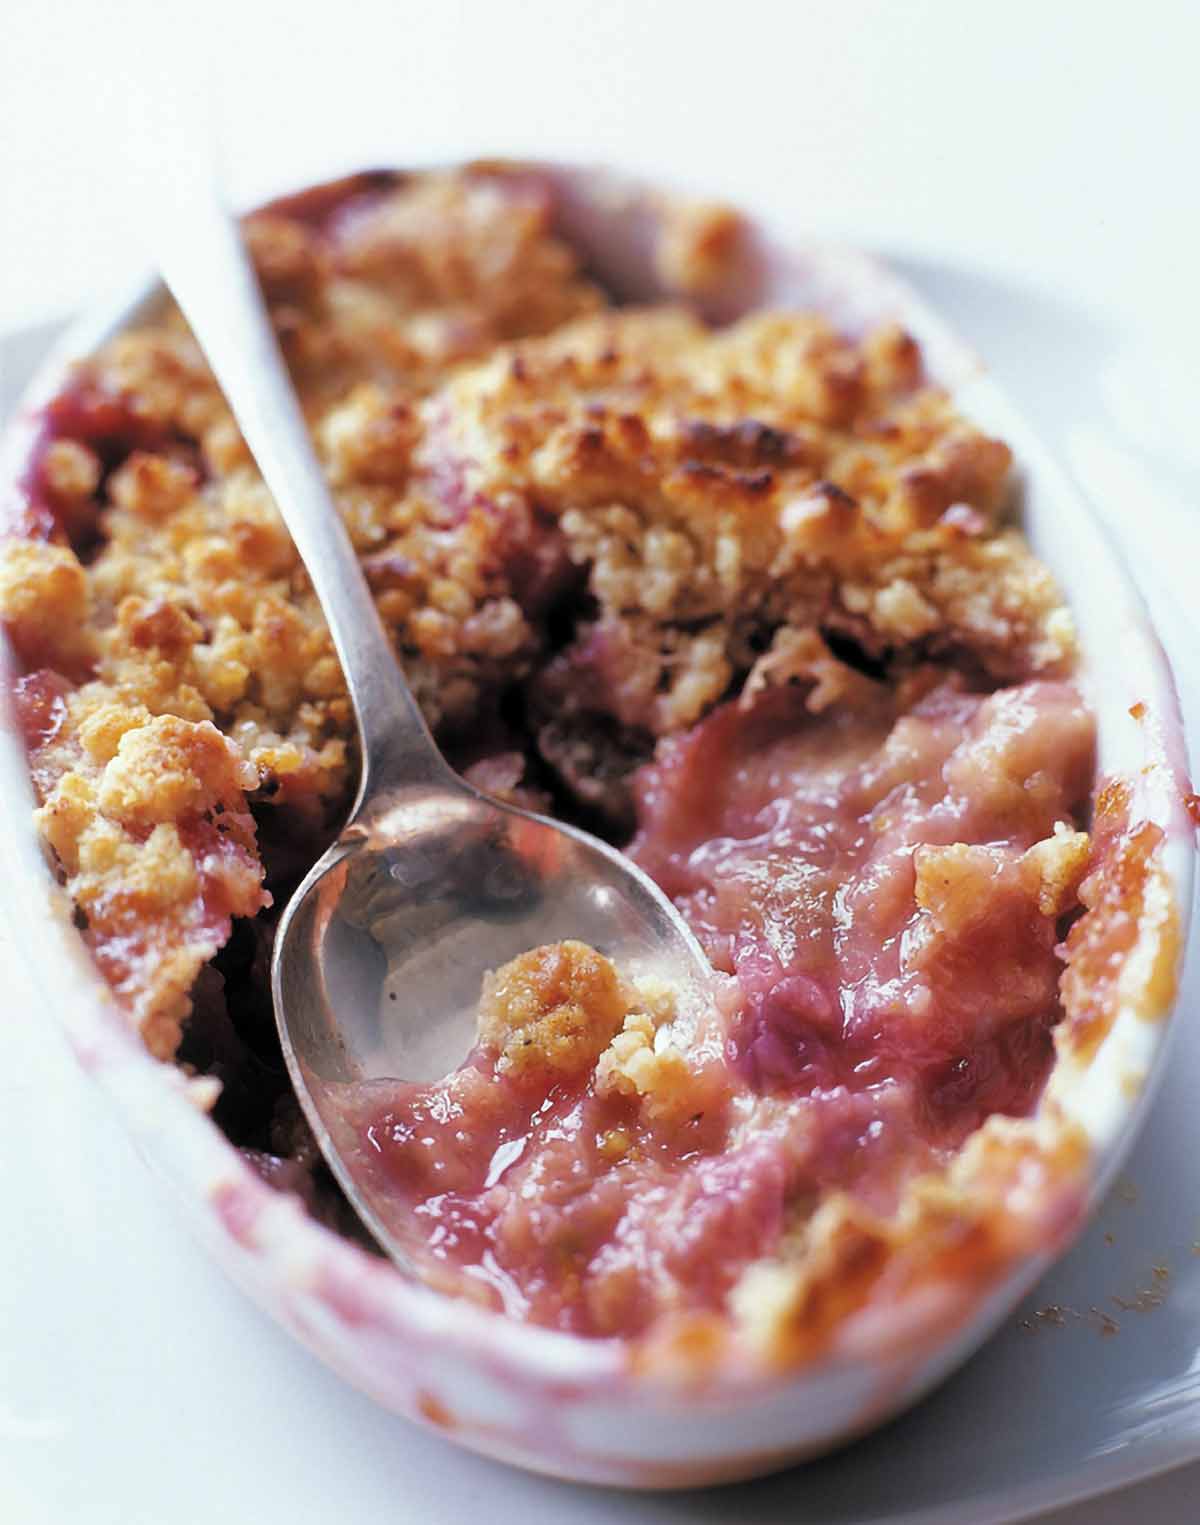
(883, 888)
(745, 599)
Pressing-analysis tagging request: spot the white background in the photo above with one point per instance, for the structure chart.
(1032, 167)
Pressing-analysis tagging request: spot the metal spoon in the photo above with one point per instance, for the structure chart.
(380, 955)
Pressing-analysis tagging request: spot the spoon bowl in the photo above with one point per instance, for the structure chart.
(381, 952)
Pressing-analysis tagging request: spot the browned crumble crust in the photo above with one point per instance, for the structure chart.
(712, 498)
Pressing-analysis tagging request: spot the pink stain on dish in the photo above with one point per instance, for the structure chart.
(237, 1205)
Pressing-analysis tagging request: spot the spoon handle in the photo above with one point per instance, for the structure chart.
(204, 263)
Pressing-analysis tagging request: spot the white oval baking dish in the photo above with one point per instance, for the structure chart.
(589, 1410)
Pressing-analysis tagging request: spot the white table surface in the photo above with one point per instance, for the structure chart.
(1031, 167)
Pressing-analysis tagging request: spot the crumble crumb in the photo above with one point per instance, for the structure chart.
(46, 602)
(801, 656)
(1056, 867)
(700, 243)
(555, 1007)
(150, 830)
(643, 1061)
(72, 471)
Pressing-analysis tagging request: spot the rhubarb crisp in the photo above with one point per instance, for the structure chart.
(743, 598)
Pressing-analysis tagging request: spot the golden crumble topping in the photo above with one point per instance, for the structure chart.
(719, 502)
(639, 1062)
